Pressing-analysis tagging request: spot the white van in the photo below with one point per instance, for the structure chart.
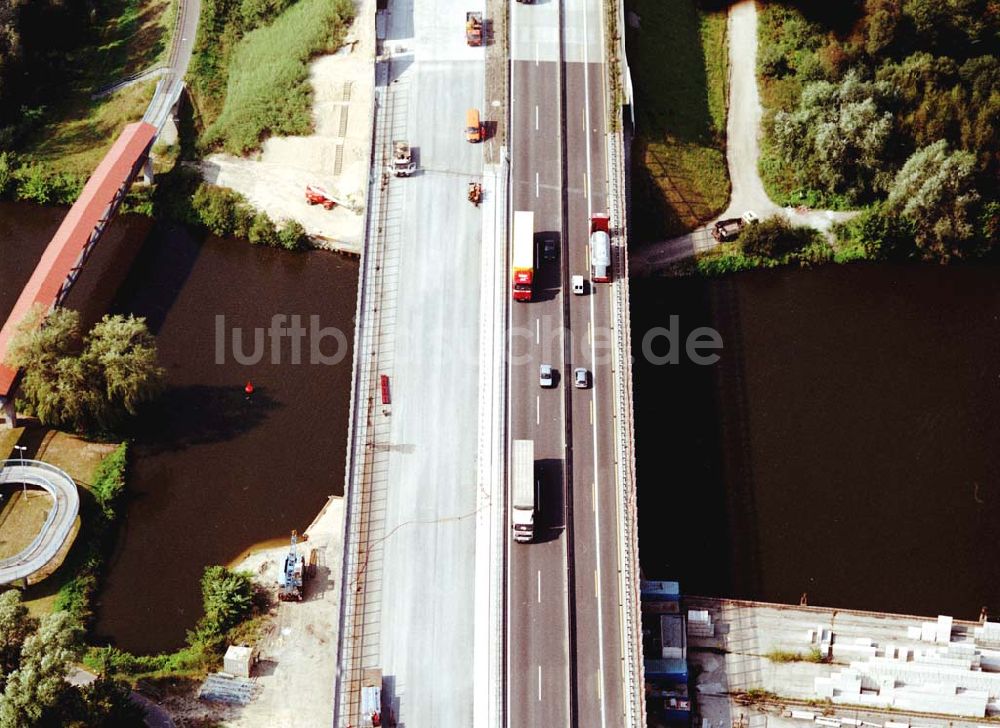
(577, 282)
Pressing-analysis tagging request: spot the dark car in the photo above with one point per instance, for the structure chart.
(550, 251)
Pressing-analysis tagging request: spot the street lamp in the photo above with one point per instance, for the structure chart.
(24, 485)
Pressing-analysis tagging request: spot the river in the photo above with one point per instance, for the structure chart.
(844, 446)
(212, 472)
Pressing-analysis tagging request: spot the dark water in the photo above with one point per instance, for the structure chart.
(844, 446)
(212, 473)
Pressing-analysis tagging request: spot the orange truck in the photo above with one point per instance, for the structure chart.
(474, 129)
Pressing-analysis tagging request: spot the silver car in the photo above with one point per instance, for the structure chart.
(581, 378)
(545, 378)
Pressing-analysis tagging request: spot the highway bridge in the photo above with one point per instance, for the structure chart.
(428, 554)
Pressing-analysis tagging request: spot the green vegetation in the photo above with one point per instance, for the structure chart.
(233, 606)
(769, 243)
(34, 658)
(891, 105)
(679, 63)
(183, 196)
(53, 59)
(814, 655)
(87, 383)
(250, 75)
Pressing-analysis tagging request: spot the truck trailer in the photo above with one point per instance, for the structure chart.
(523, 255)
(474, 28)
(600, 249)
(523, 491)
(402, 159)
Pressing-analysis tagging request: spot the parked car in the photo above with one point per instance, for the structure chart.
(545, 376)
(581, 378)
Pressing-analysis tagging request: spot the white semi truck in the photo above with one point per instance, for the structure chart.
(523, 491)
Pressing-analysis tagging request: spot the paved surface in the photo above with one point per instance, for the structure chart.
(564, 640)
(156, 717)
(169, 88)
(58, 524)
(743, 130)
(414, 471)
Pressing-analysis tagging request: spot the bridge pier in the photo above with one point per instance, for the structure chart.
(9, 413)
(147, 169)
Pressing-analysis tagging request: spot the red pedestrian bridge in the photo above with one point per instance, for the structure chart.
(66, 254)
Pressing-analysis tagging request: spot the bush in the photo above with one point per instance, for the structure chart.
(292, 236)
(774, 238)
(109, 481)
(262, 231)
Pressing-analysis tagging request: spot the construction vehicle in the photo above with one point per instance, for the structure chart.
(316, 195)
(474, 28)
(293, 574)
(474, 129)
(600, 249)
(729, 229)
(371, 698)
(475, 193)
(523, 255)
(402, 159)
(523, 490)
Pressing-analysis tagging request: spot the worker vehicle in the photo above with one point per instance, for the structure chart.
(581, 378)
(402, 159)
(523, 255)
(600, 249)
(728, 229)
(474, 28)
(371, 698)
(577, 284)
(524, 493)
(545, 376)
(475, 193)
(293, 574)
(474, 129)
(316, 195)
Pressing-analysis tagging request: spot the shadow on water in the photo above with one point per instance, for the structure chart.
(200, 415)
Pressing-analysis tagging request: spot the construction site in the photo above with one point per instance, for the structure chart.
(755, 664)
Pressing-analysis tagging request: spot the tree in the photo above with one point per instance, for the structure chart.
(839, 136)
(292, 236)
(16, 625)
(227, 597)
(83, 382)
(108, 704)
(885, 235)
(773, 238)
(934, 191)
(35, 692)
(262, 231)
(122, 353)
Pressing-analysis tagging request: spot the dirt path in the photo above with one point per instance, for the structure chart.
(336, 156)
(743, 132)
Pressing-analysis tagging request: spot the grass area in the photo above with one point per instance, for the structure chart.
(814, 655)
(9, 438)
(679, 62)
(22, 516)
(77, 130)
(268, 91)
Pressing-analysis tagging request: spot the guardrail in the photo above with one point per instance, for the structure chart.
(619, 91)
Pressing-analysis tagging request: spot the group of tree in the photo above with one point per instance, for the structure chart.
(35, 659)
(87, 382)
(898, 108)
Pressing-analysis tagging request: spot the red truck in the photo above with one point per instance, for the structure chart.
(523, 255)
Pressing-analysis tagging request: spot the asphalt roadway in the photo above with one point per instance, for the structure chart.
(564, 630)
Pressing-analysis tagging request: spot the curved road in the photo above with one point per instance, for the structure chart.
(58, 524)
(168, 90)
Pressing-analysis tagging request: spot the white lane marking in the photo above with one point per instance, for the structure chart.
(586, 185)
(600, 686)
(538, 331)
(539, 682)
(583, 118)
(588, 332)
(593, 501)
(539, 586)
(536, 184)
(597, 594)
(538, 409)
(592, 421)
(536, 117)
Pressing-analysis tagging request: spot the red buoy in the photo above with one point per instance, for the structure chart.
(248, 388)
